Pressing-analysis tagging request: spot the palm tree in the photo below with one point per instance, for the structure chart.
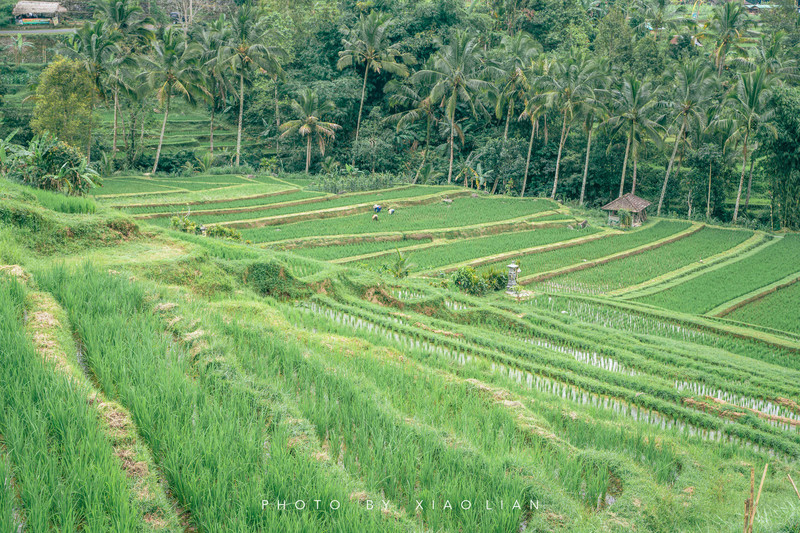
(694, 89)
(773, 55)
(569, 84)
(536, 104)
(368, 44)
(309, 123)
(728, 28)
(519, 51)
(94, 45)
(455, 77)
(660, 15)
(18, 46)
(125, 18)
(211, 39)
(593, 107)
(749, 115)
(632, 104)
(416, 99)
(246, 54)
(171, 70)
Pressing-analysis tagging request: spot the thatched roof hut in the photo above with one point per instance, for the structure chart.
(631, 203)
(44, 9)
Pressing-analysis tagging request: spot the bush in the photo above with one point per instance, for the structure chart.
(350, 179)
(222, 232)
(270, 278)
(53, 165)
(182, 223)
(469, 281)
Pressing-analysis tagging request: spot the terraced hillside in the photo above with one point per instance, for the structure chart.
(636, 383)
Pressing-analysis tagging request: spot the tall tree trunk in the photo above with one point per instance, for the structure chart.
(741, 178)
(635, 160)
(211, 133)
(625, 165)
(361, 108)
(91, 123)
(508, 119)
(561, 142)
(528, 161)
(277, 122)
(689, 201)
(669, 167)
(116, 107)
(241, 114)
(708, 199)
(308, 153)
(452, 133)
(750, 180)
(161, 138)
(425, 151)
(586, 165)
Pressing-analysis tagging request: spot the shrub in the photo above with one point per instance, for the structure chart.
(469, 281)
(182, 223)
(222, 232)
(270, 278)
(53, 165)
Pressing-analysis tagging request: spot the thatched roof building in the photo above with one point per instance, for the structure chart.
(631, 203)
(45, 9)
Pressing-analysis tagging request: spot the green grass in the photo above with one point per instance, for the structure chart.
(552, 260)
(773, 311)
(327, 253)
(703, 293)
(64, 468)
(63, 203)
(653, 263)
(467, 249)
(231, 204)
(462, 212)
(383, 198)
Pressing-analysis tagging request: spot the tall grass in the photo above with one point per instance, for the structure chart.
(208, 440)
(65, 469)
(63, 203)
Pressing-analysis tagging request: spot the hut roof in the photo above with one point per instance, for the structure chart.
(38, 8)
(629, 202)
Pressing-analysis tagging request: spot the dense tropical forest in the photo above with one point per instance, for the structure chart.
(693, 106)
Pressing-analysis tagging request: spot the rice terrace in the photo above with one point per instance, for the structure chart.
(419, 266)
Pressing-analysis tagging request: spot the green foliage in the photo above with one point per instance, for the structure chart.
(470, 281)
(54, 165)
(64, 102)
(65, 204)
(182, 223)
(783, 158)
(270, 278)
(224, 232)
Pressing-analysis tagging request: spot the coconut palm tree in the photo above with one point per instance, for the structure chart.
(416, 99)
(455, 76)
(729, 29)
(95, 46)
(569, 85)
(536, 105)
(171, 70)
(369, 45)
(694, 88)
(593, 108)
(658, 15)
(246, 53)
(211, 39)
(749, 115)
(633, 103)
(310, 112)
(519, 51)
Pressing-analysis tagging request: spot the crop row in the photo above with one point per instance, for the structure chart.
(645, 326)
(774, 310)
(208, 441)
(653, 263)
(278, 198)
(65, 471)
(703, 293)
(554, 259)
(461, 212)
(383, 198)
(467, 249)
(328, 253)
(128, 185)
(655, 356)
(651, 392)
(551, 380)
